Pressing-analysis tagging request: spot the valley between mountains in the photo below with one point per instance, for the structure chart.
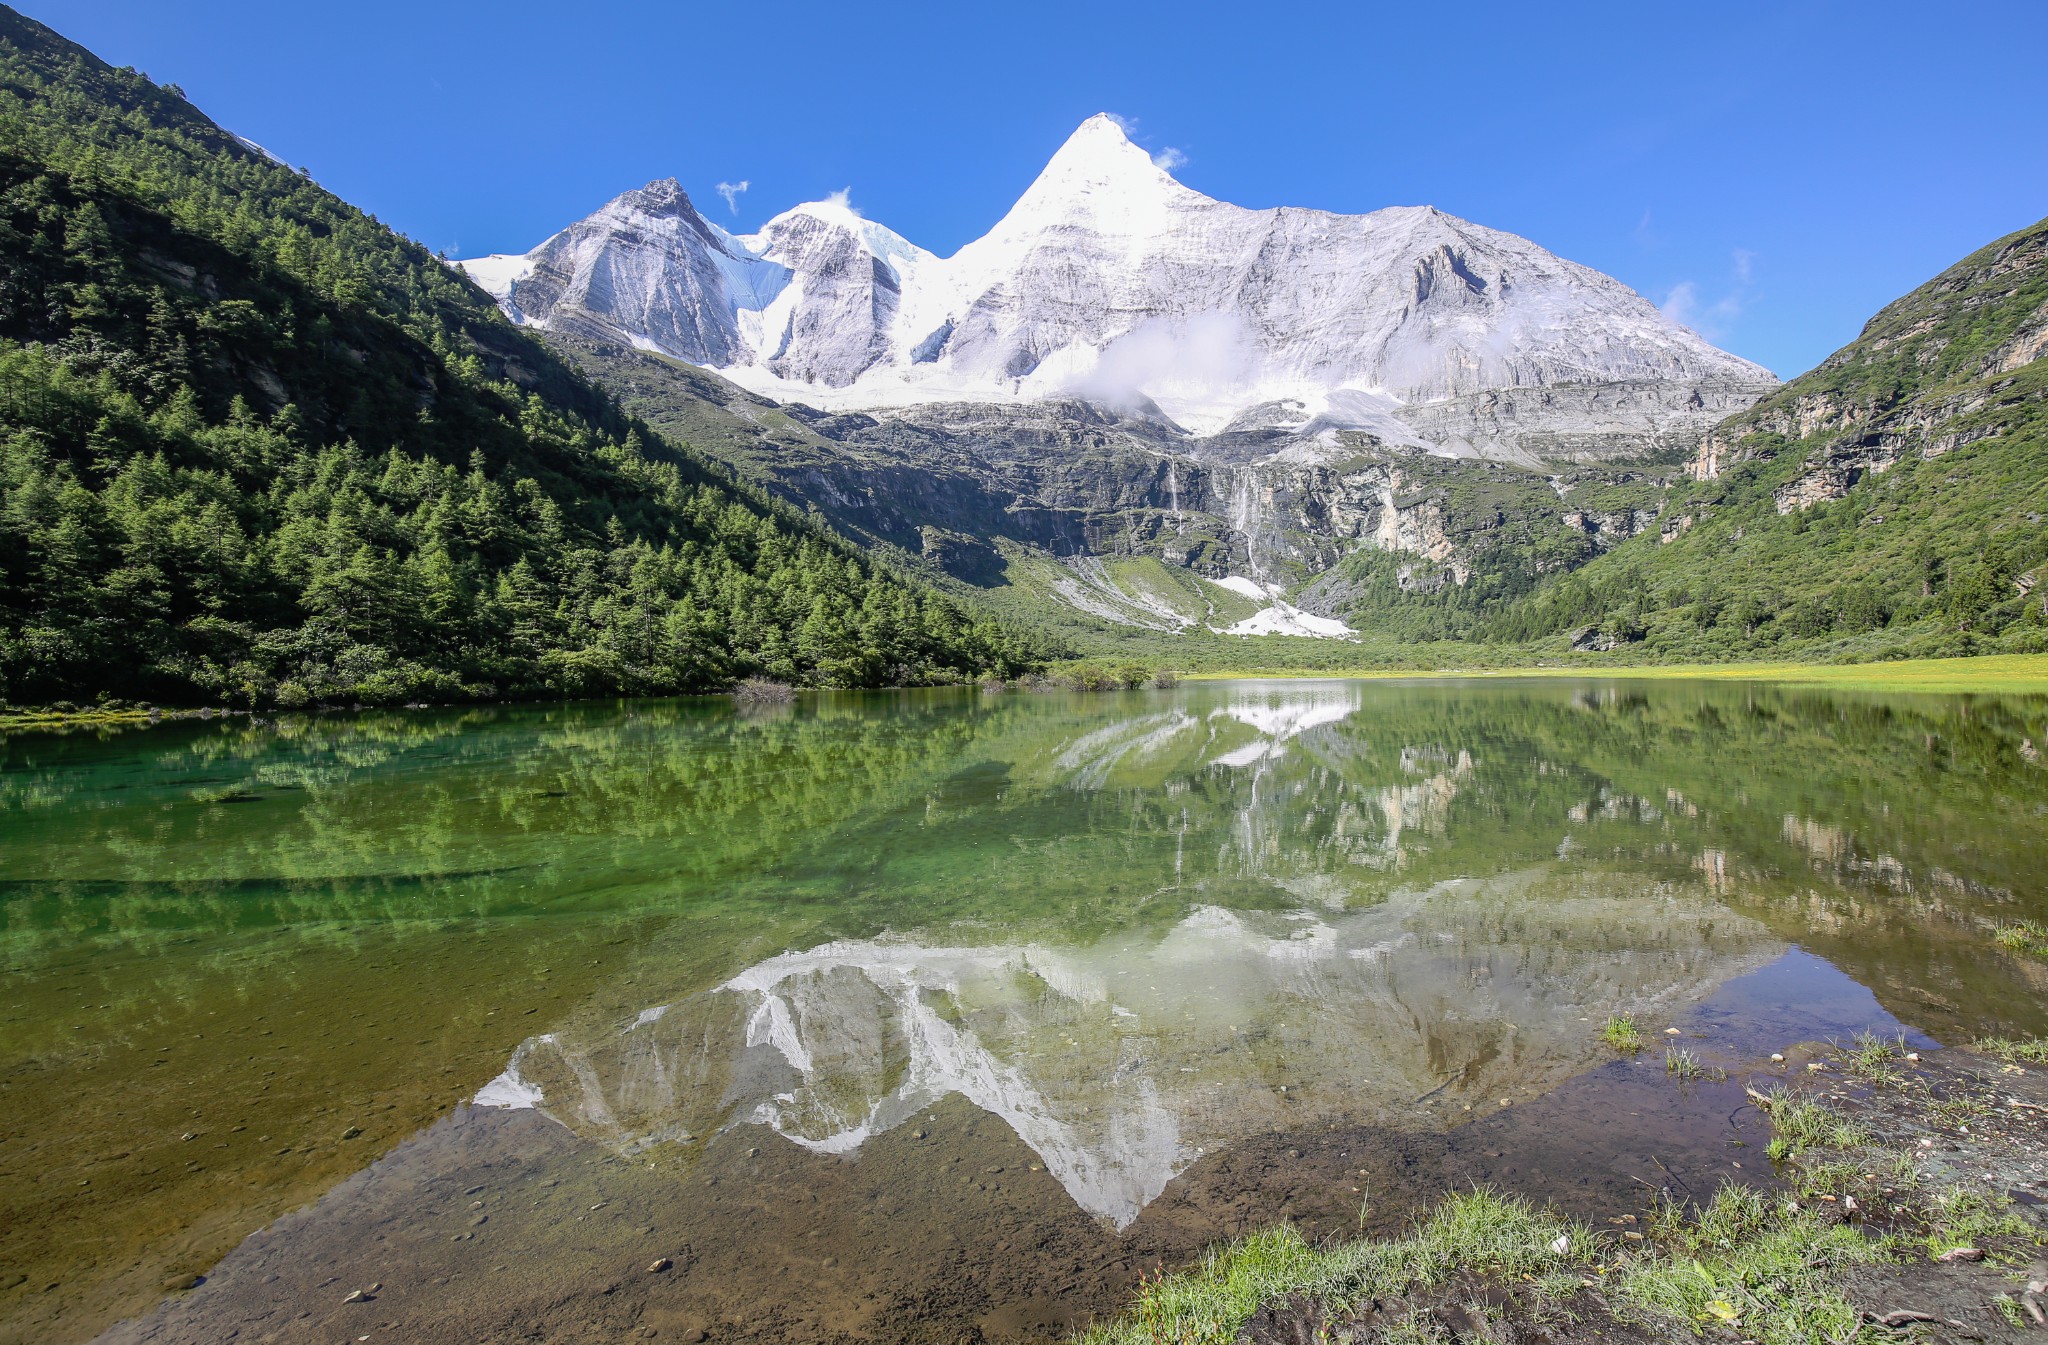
(643, 789)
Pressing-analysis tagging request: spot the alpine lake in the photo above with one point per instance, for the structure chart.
(936, 1016)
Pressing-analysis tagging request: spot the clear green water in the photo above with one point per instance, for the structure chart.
(1137, 929)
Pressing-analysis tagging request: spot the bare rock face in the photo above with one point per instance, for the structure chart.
(803, 302)
(1278, 498)
(647, 266)
(1582, 422)
(853, 294)
(1948, 365)
(1110, 283)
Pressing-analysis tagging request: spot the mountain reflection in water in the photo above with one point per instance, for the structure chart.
(1274, 997)
(1123, 923)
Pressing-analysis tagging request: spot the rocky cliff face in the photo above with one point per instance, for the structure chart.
(1580, 422)
(646, 266)
(1951, 364)
(959, 485)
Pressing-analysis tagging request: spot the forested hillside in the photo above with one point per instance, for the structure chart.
(257, 448)
(1893, 502)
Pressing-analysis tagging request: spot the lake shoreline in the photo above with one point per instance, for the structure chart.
(525, 1225)
(1195, 963)
(2025, 674)
(2011, 674)
(1930, 1234)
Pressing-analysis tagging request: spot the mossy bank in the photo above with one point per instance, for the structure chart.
(1897, 1199)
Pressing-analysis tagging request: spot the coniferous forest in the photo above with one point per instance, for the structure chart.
(256, 448)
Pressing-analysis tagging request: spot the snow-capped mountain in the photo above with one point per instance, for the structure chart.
(1111, 282)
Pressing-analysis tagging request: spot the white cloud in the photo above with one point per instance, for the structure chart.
(1198, 352)
(731, 192)
(1680, 304)
(1714, 319)
(1166, 159)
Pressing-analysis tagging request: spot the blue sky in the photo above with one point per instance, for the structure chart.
(1773, 172)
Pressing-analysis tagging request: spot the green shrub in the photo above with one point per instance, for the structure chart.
(1622, 1034)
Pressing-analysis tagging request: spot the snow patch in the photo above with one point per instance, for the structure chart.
(1286, 619)
(1249, 588)
(1278, 617)
(498, 273)
(247, 143)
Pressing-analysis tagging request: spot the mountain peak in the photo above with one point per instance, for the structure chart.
(1099, 152)
(836, 212)
(1100, 178)
(1103, 129)
(663, 198)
